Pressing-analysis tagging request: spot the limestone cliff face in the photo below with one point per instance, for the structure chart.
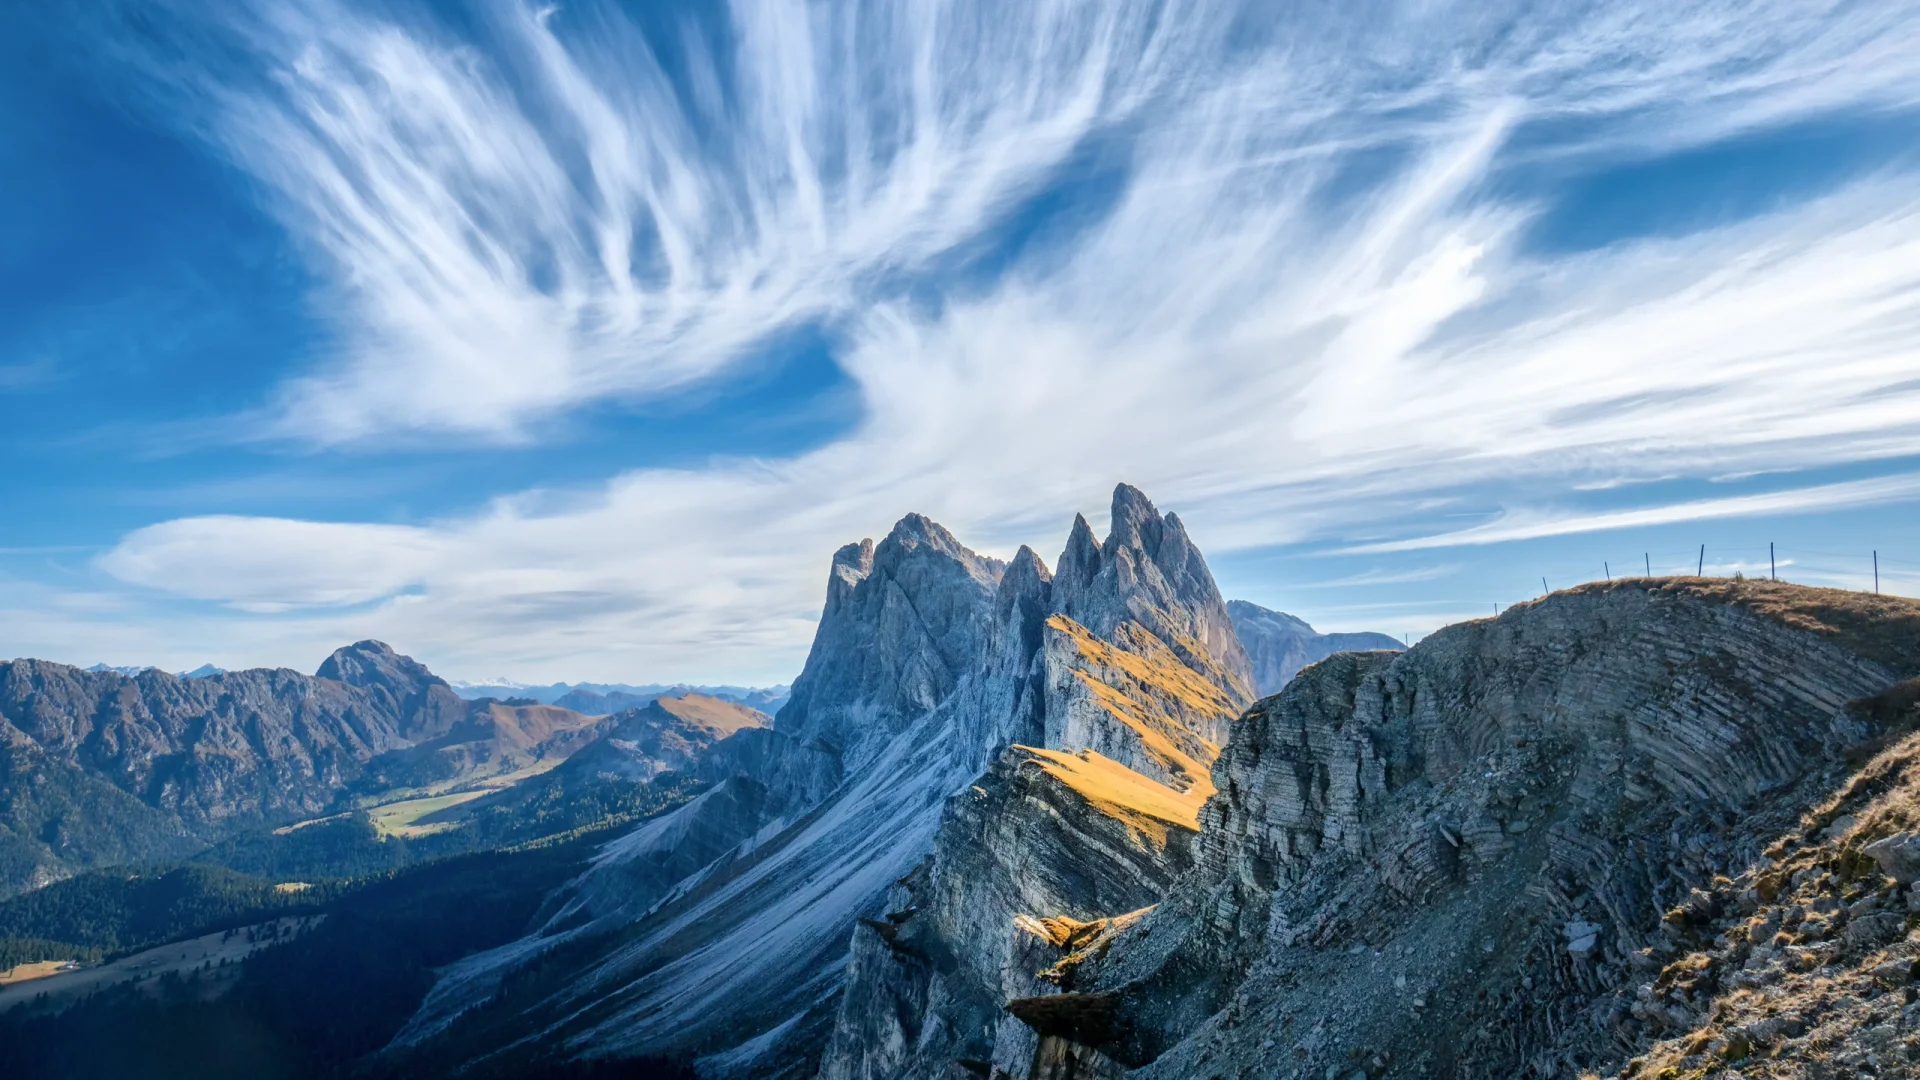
(1133, 700)
(1128, 709)
(1149, 573)
(903, 624)
(721, 931)
(1279, 645)
(1456, 861)
(1042, 847)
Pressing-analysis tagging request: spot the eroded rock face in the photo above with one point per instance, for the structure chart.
(1455, 861)
(930, 668)
(1128, 709)
(904, 622)
(1075, 838)
(1133, 700)
(1803, 965)
(1149, 573)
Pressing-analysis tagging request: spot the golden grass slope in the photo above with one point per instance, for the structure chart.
(1120, 793)
(1145, 686)
(718, 715)
(1882, 628)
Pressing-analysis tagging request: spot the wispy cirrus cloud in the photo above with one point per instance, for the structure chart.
(558, 217)
(1385, 577)
(1532, 525)
(1304, 308)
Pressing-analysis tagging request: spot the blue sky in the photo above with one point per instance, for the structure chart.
(566, 341)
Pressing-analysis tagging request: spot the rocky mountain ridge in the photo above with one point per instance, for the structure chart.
(102, 768)
(1135, 677)
(1470, 859)
(606, 698)
(932, 667)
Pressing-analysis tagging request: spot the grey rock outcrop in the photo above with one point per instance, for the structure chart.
(1034, 859)
(930, 668)
(1454, 861)
(1278, 644)
(1148, 572)
(739, 958)
(904, 623)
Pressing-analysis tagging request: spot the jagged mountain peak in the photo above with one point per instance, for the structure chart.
(902, 622)
(427, 705)
(1080, 560)
(1148, 572)
(1133, 521)
(917, 535)
(370, 662)
(851, 565)
(1025, 572)
(929, 661)
(857, 557)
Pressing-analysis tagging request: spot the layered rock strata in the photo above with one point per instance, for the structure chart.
(1460, 860)
(1807, 963)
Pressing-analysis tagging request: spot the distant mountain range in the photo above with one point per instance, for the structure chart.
(589, 697)
(201, 672)
(1280, 644)
(112, 766)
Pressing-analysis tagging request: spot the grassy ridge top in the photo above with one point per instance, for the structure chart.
(1879, 627)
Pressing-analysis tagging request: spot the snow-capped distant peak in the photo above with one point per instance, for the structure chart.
(129, 671)
(491, 684)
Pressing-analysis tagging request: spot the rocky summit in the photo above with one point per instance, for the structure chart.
(973, 748)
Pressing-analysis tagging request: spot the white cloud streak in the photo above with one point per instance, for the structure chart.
(1306, 312)
(1534, 525)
